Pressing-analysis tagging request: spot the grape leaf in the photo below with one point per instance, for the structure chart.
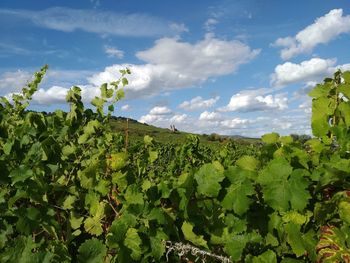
(208, 179)
(187, 230)
(237, 197)
(92, 251)
(133, 242)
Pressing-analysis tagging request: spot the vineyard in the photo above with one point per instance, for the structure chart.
(72, 190)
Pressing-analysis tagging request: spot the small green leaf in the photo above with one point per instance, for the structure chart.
(92, 251)
(133, 196)
(187, 230)
(69, 201)
(133, 242)
(294, 238)
(270, 138)
(21, 174)
(344, 211)
(267, 257)
(93, 226)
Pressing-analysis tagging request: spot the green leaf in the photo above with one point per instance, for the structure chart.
(68, 150)
(274, 181)
(7, 147)
(125, 81)
(69, 201)
(153, 156)
(237, 197)
(344, 211)
(208, 179)
(92, 251)
(118, 229)
(294, 239)
(248, 163)
(270, 138)
(93, 226)
(133, 242)
(321, 109)
(345, 89)
(133, 196)
(75, 221)
(120, 179)
(158, 245)
(286, 140)
(187, 230)
(320, 90)
(21, 174)
(267, 257)
(235, 245)
(148, 140)
(346, 76)
(298, 188)
(117, 161)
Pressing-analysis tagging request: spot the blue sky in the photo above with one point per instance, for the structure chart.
(230, 67)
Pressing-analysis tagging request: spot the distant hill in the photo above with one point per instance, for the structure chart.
(138, 130)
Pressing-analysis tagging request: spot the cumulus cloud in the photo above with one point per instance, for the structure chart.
(198, 103)
(13, 81)
(312, 70)
(178, 118)
(256, 100)
(160, 110)
(95, 21)
(210, 116)
(113, 52)
(57, 94)
(156, 114)
(172, 64)
(323, 30)
(294, 121)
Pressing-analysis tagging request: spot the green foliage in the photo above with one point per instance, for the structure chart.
(71, 191)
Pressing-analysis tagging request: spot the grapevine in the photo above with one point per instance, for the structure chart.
(72, 190)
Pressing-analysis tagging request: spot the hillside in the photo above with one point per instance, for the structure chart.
(138, 130)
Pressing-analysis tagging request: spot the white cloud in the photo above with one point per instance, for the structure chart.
(13, 81)
(210, 116)
(125, 107)
(306, 105)
(160, 110)
(178, 118)
(57, 94)
(256, 100)
(150, 119)
(312, 70)
(234, 123)
(172, 64)
(198, 103)
(209, 25)
(294, 121)
(323, 30)
(114, 52)
(99, 22)
(156, 114)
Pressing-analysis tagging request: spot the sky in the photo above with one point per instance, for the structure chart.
(238, 67)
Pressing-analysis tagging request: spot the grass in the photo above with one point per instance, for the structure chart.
(138, 130)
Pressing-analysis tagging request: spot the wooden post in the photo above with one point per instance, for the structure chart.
(127, 134)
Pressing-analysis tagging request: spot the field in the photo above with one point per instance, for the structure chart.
(74, 190)
(137, 131)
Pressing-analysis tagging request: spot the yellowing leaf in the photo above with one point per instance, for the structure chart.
(187, 230)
